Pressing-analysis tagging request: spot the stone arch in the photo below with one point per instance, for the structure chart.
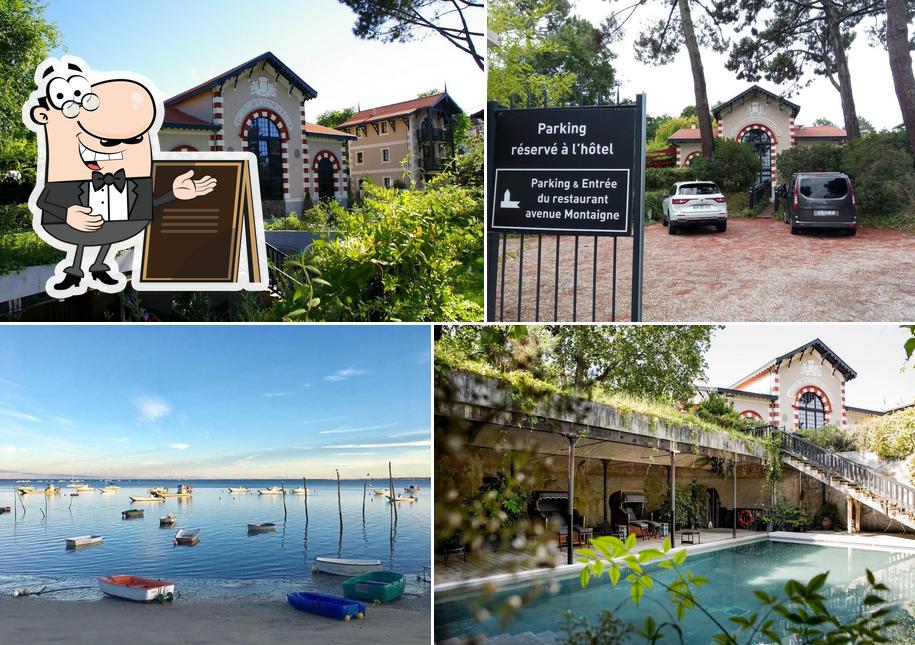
(758, 126)
(827, 405)
(325, 154)
(751, 414)
(691, 156)
(270, 114)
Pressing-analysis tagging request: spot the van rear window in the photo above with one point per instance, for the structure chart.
(698, 189)
(824, 187)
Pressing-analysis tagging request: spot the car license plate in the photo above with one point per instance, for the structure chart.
(825, 213)
(702, 207)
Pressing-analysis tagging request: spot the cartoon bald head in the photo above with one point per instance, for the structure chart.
(105, 126)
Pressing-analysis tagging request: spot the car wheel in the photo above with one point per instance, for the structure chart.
(672, 228)
(664, 221)
(851, 231)
(721, 227)
(795, 230)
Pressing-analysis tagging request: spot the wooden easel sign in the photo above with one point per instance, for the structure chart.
(213, 243)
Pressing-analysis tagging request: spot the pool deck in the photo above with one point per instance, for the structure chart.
(499, 567)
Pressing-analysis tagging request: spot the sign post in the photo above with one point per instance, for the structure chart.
(567, 171)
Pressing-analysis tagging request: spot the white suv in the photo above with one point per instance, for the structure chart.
(695, 203)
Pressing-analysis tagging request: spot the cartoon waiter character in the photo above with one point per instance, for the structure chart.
(96, 144)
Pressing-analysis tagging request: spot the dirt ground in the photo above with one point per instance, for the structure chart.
(755, 271)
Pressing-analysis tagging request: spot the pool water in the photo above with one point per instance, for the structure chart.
(734, 573)
(227, 562)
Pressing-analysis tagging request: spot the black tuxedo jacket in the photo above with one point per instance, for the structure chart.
(58, 196)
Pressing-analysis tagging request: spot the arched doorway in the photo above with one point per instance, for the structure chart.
(761, 143)
(265, 142)
(325, 179)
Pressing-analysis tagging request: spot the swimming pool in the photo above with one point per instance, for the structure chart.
(734, 573)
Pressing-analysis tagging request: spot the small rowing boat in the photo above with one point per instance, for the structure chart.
(301, 490)
(239, 489)
(132, 513)
(157, 490)
(383, 586)
(154, 498)
(380, 491)
(187, 537)
(328, 606)
(5, 509)
(183, 491)
(273, 490)
(404, 498)
(109, 489)
(137, 589)
(167, 520)
(262, 527)
(345, 566)
(83, 540)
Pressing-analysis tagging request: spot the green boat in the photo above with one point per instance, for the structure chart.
(383, 586)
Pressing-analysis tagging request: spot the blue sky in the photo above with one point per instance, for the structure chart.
(885, 379)
(215, 401)
(180, 44)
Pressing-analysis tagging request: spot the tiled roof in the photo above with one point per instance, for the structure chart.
(819, 131)
(685, 134)
(320, 130)
(175, 118)
(392, 110)
(269, 57)
(795, 108)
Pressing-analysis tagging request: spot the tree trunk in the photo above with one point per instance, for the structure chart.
(833, 31)
(695, 61)
(897, 43)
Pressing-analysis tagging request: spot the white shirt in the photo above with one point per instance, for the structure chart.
(109, 202)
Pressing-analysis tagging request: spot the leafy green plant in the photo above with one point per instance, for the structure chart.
(580, 631)
(501, 498)
(691, 504)
(830, 436)
(801, 612)
(15, 218)
(831, 512)
(25, 249)
(663, 179)
(717, 409)
(733, 166)
(784, 517)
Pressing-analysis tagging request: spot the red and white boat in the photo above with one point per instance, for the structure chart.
(136, 588)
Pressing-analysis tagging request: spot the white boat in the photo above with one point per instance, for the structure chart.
(380, 491)
(167, 520)
(273, 490)
(187, 537)
(109, 489)
(404, 498)
(83, 540)
(136, 588)
(84, 488)
(183, 491)
(239, 489)
(147, 499)
(346, 566)
(51, 489)
(157, 490)
(262, 527)
(26, 490)
(75, 483)
(301, 490)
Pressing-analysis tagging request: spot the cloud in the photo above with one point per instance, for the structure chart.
(400, 444)
(327, 420)
(270, 395)
(8, 449)
(363, 429)
(179, 446)
(152, 407)
(63, 420)
(342, 375)
(246, 460)
(412, 433)
(19, 415)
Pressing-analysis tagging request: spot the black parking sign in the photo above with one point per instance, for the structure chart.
(567, 170)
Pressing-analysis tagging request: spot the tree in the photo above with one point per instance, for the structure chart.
(796, 36)
(823, 121)
(402, 20)
(865, 127)
(333, 118)
(524, 34)
(661, 42)
(27, 38)
(432, 92)
(898, 46)
(667, 127)
(652, 123)
(582, 49)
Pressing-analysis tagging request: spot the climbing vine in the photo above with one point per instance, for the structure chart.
(772, 457)
(722, 467)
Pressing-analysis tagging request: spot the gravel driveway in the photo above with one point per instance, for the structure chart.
(756, 271)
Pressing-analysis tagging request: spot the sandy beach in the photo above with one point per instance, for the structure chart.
(42, 620)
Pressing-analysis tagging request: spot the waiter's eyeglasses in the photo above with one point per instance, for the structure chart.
(71, 94)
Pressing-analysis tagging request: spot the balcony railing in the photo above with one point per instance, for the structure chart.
(437, 163)
(434, 134)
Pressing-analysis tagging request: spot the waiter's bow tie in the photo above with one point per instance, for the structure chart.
(118, 179)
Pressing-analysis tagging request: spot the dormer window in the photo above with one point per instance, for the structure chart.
(384, 127)
(754, 108)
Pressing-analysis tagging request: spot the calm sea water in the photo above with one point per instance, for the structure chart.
(734, 573)
(227, 561)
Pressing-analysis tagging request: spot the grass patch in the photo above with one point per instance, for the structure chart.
(521, 381)
(895, 221)
(19, 250)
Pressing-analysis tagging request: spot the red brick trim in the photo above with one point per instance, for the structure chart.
(691, 156)
(827, 406)
(325, 154)
(751, 414)
(757, 126)
(270, 114)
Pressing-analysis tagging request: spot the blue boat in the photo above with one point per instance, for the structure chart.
(327, 606)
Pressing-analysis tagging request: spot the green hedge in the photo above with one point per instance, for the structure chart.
(19, 250)
(315, 219)
(15, 217)
(663, 178)
(653, 199)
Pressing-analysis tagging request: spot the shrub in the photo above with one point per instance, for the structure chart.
(830, 436)
(733, 166)
(891, 436)
(784, 517)
(663, 178)
(830, 511)
(653, 204)
(881, 173)
(316, 219)
(19, 250)
(15, 217)
(400, 255)
(716, 409)
(468, 165)
(821, 157)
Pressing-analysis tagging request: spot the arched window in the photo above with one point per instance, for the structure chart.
(811, 412)
(265, 142)
(762, 146)
(325, 179)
